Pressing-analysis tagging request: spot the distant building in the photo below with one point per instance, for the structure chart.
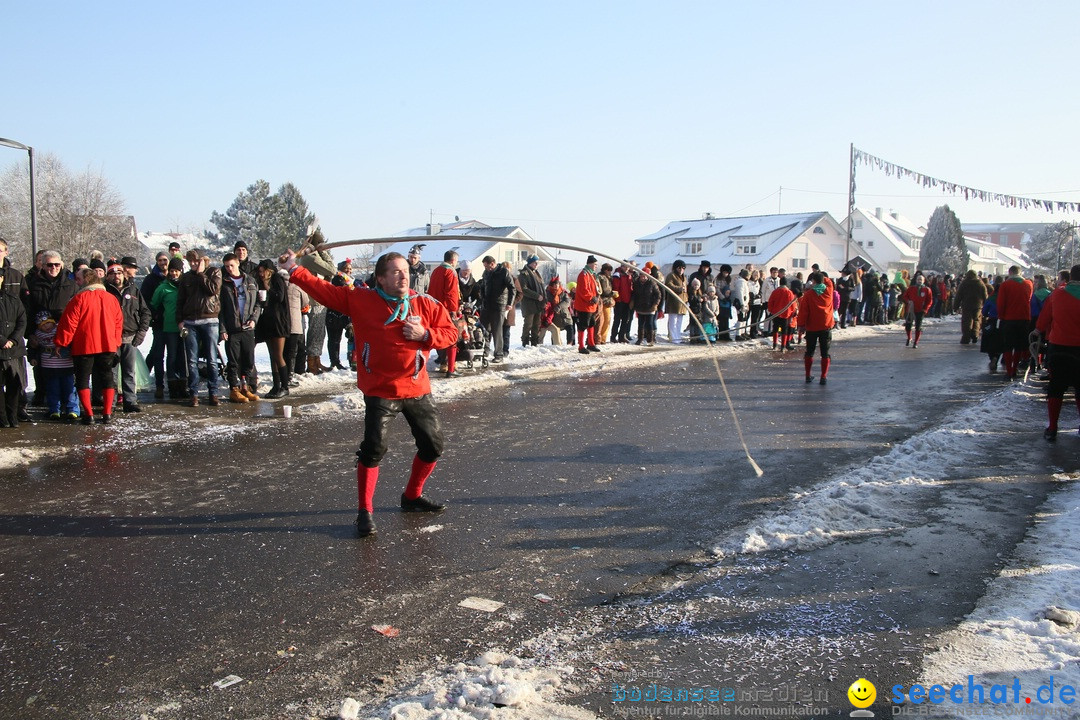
(888, 241)
(513, 245)
(792, 241)
(1014, 235)
(990, 259)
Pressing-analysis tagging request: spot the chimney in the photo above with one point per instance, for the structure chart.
(895, 215)
(879, 213)
(434, 228)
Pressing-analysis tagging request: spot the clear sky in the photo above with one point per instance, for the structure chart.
(588, 123)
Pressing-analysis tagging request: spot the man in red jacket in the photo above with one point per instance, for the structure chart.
(816, 316)
(395, 330)
(1059, 322)
(587, 306)
(1014, 319)
(444, 287)
(782, 307)
(917, 301)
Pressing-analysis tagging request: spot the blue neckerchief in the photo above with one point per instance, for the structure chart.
(401, 306)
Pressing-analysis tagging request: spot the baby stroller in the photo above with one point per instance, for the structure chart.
(473, 337)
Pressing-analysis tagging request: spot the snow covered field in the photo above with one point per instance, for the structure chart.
(1025, 626)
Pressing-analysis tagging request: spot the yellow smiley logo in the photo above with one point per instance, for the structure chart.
(862, 693)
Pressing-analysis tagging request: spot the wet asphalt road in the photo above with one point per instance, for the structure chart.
(134, 578)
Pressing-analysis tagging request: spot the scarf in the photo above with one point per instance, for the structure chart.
(400, 306)
(1073, 289)
(819, 288)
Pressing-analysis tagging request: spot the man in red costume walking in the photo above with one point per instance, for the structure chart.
(395, 329)
(586, 305)
(1059, 322)
(816, 315)
(1014, 319)
(444, 287)
(917, 300)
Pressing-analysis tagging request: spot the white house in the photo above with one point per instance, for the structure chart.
(991, 259)
(792, 241)
(889, 241)
(516, 246)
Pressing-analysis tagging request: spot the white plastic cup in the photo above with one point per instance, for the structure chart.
(262, 296)
(286, 411)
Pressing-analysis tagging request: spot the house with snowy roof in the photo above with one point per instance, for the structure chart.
(1014, 235)
(793, 241)
(888, 241)
(990, 259)
(506, 244)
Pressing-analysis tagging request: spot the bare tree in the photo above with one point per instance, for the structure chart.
(76, 213)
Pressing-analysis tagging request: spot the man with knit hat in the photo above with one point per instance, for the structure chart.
(397, 329)
(587, 305)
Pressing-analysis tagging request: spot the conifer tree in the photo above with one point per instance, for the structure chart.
(943, 248)
(267, 222)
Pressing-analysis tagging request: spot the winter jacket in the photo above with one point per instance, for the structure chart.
(150, 284)
(418, 277)
(52, 294)
(532, 290)
(91, 323)
(12, 327)
(971, 294)
(1038, 299)
(164, 303)
(1014, 299)
(710, 309)
(1059, 320)
(816, 307)
(768, 286)
(740, 293)
(273, 319)
(444, 287)
(468, 290)
(498, 288)
(13, 281)
(676, 284)
(298, 300)
(199, 295)
(920, 297)
(871, 289)
(623, 284)
(587, 292)
(607, 290)
(388, 366)
(230, 319)
(136, 311)
(781, 302)
(646, 296)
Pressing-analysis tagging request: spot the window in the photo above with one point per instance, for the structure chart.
(819, 230)
(746, 249)
(858, 224)
(915, 243)
(869, 243)
(648, 248)
(798, 262)
(859, 243)
(524, 255)
(509, 256)
(693, 248)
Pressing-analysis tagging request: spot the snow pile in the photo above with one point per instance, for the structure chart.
(881, 495)
(495, 686)
(15, 456)
(1010, 634)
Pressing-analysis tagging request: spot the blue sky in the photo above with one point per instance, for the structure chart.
(588, 123)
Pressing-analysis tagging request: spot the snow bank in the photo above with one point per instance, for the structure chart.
(494, 686)
(1010, 634)
(882, 494)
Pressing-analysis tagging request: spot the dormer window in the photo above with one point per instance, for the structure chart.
(648, 248)
(693, 248)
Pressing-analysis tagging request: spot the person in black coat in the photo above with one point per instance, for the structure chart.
(273, 325)
(12, 351)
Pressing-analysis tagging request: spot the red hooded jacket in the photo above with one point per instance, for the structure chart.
(388, 365)
(443, 286)
(1060, 316)
(815, 311)
(92, 322)
(1014, 299)
(782, 298)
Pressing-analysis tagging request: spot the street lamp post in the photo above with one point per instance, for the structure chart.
(33, 206)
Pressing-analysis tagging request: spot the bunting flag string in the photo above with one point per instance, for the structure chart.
(951, 188)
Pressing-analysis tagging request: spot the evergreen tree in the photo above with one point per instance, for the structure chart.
(943, 248)
(1054, 247)
(267, 222)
